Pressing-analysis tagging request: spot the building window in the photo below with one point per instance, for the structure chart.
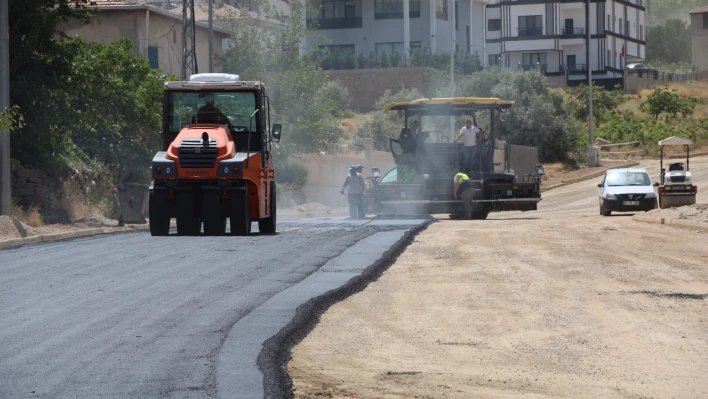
(705, 21)
(153, 58)
(394, 47)
(337, 14)
(531, 25)
(529, 60)
(494, 24)
(627, 31)
(609, 57)
(641, 32)
(441, 9)
(457, 17)
(620, 26)
(609, 23)
(494, 60)
(393, 9)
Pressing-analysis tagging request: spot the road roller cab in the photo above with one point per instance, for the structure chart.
(216, 162)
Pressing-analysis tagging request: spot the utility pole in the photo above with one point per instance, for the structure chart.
(211, 36)
(189, 50)
(5, 198)
(452, 16)
(591, 153)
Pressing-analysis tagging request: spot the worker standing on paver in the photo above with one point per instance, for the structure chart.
(469, 136)
(356, 190)
(463, 191)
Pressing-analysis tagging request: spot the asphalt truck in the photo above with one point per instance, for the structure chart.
(216, 162)
(426, 162)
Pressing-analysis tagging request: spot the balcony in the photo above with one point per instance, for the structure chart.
(543, 67)
(573, 69)
(334, 23)
(531, 31)
(396, 15)
(572, 32)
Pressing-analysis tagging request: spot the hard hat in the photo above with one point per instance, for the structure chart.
(352, 167)
(360, 166)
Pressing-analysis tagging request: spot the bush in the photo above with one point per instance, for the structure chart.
(291, 173)
(383, 126)
(396, 59)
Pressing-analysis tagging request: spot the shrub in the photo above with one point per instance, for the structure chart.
(291, 173)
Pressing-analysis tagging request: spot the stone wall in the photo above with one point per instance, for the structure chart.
(366, 86)
(34, 188)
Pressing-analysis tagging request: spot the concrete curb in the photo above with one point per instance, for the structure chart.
(679, 223)
(590, 176)
(69, 234)
(679, 156)
(276, 350)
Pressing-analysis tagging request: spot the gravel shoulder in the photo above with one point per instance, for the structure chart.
(555, 303)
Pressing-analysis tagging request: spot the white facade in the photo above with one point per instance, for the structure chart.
(552, 35)
(365, 26)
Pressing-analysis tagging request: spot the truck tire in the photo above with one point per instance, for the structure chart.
(214, 221)
(159, 217)
(267, 225)
(240, 218)
(188, 224)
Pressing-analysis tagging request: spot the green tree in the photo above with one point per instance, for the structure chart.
(539, 117)
(396, 59)
(664, 100)
(361, 61)
(603, 101)
(301, 97)
(382, 126)
(384, 60)
(669, 42)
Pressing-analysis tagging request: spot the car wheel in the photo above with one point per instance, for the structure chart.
(603, 210)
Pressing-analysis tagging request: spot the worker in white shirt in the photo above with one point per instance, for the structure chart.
(469, 136)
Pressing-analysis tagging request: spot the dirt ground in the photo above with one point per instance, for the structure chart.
(560, 302)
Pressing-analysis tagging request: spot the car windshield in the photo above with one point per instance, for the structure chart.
(236, 106)
(628, 179)
(390, 177)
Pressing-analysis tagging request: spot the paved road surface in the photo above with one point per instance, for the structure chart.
(130, 315)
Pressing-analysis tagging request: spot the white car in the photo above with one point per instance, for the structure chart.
(626, 190)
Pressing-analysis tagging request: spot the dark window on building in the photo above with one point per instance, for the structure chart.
(529, 60)
(705, 21)
(494, 60)
(457, 17)
(469, 47)
(441, 9)
(393, 9)
(531, 25)
(153, 58)
(494, 24)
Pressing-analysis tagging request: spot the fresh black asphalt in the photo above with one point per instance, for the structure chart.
(130, 315)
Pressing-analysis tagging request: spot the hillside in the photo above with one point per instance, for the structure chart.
(663, 10)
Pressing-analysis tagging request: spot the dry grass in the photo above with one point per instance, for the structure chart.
(555, 169)
(74, 201)
(31, 217)
(351, 124)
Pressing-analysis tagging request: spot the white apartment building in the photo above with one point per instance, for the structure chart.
(362, 26)
(553, 35)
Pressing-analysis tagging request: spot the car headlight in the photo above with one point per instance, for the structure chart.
(610, 196)
(688, 178)
(650, 195)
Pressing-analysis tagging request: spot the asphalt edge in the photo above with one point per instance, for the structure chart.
(14, 242)
(277, 350)
(679, 223)
(590, 176)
